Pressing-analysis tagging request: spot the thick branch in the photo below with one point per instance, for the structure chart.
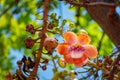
(84, 4)
(110, 24)
(44, 29)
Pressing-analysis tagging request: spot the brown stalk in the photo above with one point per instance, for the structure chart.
(44, 29)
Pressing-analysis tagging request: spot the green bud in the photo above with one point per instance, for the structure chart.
(61, 63)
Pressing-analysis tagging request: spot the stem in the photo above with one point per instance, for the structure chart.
(100, 42)
(114, 53)
(97, 67)
(105, 71)
(54, 63)
(44, 29)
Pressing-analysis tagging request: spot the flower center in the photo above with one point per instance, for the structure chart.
(76, 51)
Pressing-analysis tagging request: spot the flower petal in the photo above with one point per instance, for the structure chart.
(84, 38)
(76, 54)
(90, 51)
(68, 59)
(78, 62)
(70, 37)
(81, 64)
(63, 48)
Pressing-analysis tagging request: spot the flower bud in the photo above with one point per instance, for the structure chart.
(50, 44)
(99, 63)
(44, 67)
(29, 42)
(72, 74)
(50, 26)
(61, 63)
(30, 28)
(19, 63)
(8, 76)
(27, 62)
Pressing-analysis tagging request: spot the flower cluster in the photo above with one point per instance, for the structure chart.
(76, 48)
(29, 42)
(30, 28)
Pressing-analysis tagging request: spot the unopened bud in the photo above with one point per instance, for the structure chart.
(61, 63)
(50, 44)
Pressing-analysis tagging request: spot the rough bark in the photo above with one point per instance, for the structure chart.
(109, 23)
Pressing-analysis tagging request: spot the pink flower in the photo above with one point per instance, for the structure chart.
(76, 49)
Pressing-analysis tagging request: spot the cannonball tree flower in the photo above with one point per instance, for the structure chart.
(76, 48)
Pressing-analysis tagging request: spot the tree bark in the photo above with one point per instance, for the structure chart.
(109, 23)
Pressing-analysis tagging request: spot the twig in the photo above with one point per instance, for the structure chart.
(104, 4)
(78, 14)
(85, 71)
(114, 53)
(100, 42)
(88, 75)
(97, 67)
(111, 76)
(54, 63)
(51, 31)
(44, 29)
(105, 71)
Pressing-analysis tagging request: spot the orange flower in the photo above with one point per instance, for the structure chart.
(76, 49)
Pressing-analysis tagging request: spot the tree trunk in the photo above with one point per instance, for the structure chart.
(109, 23)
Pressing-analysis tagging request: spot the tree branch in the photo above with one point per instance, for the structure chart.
(114, 53)
(100, 42)
(97, 67)
(54, 63)
(83, 4)
(44, 29)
